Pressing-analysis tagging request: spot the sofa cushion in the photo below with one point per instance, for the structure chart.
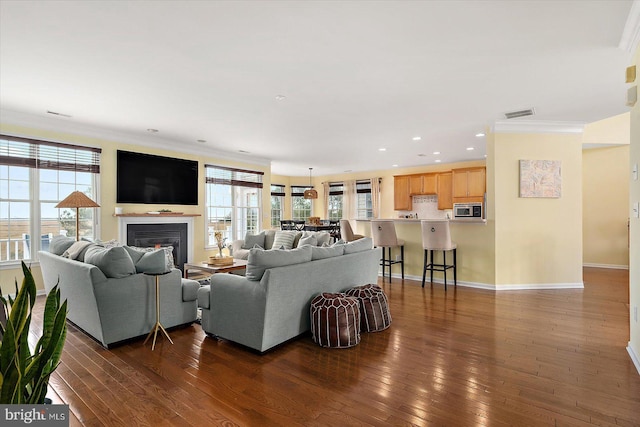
(203, 296)
(309, 240)
(284, 238)
(59, 244)
(359, 245)
(260, 260)
(251, 240)
(269, 237)
(321, 252)
(150, 262)
(114, 262)
(189, 289)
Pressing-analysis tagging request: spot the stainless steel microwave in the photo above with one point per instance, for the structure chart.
(467, 211)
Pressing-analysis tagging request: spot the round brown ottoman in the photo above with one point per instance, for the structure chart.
(374, 307)
(335, 320)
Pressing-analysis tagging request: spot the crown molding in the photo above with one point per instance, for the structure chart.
(631, 33)
(536, 126)
(62, 125)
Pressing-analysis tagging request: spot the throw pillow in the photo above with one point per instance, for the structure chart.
(168, 252)
(108, 243)
(154, 262)
(322, 252)
(284, 238)
(114, 262)
(59, 244)
(359, 245)
(322, 237)
(260, 260)
(251, 240)
(310, 240)
(76, 249)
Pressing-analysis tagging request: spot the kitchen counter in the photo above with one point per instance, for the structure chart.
(475, 253)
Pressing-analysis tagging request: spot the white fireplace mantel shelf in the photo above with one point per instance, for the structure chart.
(161, 215)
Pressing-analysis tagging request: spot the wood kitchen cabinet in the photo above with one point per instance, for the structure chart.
(401, 194)
(468, 185)
(422, 184)
(445, 195)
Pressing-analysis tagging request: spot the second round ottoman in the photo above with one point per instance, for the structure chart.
(374, 307)
(335, 320)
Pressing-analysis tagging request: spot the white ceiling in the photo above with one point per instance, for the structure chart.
(357, 75)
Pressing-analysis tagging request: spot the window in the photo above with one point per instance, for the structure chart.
(277, 203)
(363, 203)
(234, 200)
(334, 208)
(300, 207)
(34, 176)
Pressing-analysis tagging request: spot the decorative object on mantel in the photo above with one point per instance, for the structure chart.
(158, 214)
(164, 212)
(77, 200)
(540, 178)
(310, 193)
(220, 259)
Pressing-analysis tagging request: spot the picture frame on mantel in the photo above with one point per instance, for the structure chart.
(541, 179)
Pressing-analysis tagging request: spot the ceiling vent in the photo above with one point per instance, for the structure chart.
(521, 113)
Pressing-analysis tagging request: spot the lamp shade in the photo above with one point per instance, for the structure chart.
(77, 199)
(310, 194)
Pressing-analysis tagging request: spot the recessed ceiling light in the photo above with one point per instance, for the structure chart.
(382, 149)
(470, 148)
(417, 138)
(485, 155)
(280, 97)
(480, 134)
(395, 166)
(202, 141)
(438, 160)
(152, 130)
(436, 152)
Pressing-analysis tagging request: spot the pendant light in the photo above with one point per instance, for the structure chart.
(310, 193)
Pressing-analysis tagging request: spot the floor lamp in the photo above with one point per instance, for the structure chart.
(77, 200)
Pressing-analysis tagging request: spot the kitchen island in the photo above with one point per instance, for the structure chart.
(476, 254)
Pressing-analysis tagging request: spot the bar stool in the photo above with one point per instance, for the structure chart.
(384, 236)
(436, 236)
(346, 232)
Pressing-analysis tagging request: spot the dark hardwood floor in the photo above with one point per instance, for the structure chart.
(461, 358)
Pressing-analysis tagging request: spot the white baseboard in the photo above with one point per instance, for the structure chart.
(634, 357)
(492, 287)
(612, 266)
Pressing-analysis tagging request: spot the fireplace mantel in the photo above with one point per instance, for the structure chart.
(143, 218)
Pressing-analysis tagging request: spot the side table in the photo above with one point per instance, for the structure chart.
(157, 325)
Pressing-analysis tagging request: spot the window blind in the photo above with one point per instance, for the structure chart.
(277, 190)
(33, 153)
(298, 190)
(232, 176)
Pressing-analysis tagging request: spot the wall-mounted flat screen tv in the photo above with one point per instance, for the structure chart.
(145, 178)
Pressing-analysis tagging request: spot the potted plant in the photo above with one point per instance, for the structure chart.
(24, 375)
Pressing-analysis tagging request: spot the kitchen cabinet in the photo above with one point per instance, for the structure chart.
(468, 185)
(401, 194)
(422, 184)
(445, 195)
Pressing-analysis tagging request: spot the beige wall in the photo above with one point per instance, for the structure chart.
(108, 224)
(634, 252)
(605, 203)
(537, 241)
(613, 130)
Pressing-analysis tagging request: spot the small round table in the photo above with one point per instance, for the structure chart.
(157, 325)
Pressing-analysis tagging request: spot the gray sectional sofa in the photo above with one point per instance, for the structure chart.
(116, 309)
(270, 305)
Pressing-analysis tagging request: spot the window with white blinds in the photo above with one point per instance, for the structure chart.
(234, 202)
(34, 176)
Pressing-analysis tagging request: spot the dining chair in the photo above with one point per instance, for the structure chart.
(299, 224)
(334, 230)
(286, 224)
(436, 236)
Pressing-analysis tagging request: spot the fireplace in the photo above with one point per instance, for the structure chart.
(145, 230)
(161, 235)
